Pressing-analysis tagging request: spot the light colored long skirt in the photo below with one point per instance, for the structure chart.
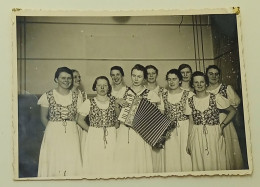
(233, 151)
(60, 151)
(133, 155)
(98, 152)
(207, 148)
(176, 157)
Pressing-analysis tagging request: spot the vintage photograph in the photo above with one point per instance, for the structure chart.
(116, 96)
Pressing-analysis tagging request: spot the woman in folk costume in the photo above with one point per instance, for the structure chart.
(118, 85)
(98, 149)
(173, 104)
(81, 94)
(133, 154)
(60, 150)
(233, 151)
(151, 84)
(206, 143)
(186, 72)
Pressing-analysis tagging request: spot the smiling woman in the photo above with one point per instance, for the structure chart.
(58, 114)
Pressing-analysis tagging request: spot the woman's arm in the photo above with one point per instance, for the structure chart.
(82, 123)
(231, 113)
(44, 115)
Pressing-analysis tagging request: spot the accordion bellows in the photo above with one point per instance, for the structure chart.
(147, 120)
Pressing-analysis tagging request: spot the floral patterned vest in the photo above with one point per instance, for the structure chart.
(102, 117)
(223, 90)
(209, 117)
(57, 112)
(175, 111)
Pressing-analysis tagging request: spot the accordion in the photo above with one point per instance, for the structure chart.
(147, 120)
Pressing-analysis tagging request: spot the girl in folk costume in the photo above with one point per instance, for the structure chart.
(186, 72)
(133, 154)
(60, 150)
(173, 104)
(118, 85)
(81, 94)
(98, 151)
(206, 143)
(157, 154)
(233, 152)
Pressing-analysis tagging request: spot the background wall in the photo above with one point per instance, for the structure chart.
(94, 44)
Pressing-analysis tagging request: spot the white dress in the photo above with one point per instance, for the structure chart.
(233, 151)
(133, 155)
(207, 144)
(99, 147)
(60, 149)
(158, 154)
(176, 157)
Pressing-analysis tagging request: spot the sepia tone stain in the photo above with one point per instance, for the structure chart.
(236, 10)
(16, 9)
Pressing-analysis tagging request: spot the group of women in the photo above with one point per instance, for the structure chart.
(83, 137)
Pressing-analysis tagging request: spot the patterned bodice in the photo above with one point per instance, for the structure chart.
(102, 117)
(57, 112)
(210, 116)
(223, 90)
(144, 94)
(175, 111)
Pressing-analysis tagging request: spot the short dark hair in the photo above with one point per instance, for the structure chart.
(199, 73)
(63, 69)
(152, 67)
(212, 67)
(176, 72)
(105, 78)
(182, 66)
(74, 70)
(140, 68)
(119, 69)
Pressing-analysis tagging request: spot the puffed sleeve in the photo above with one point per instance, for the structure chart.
(233, 97)
(222, 102)
(84, 108)
(153, 97)
(43, 101)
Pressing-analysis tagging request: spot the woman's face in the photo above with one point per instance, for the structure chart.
(199, 83)
(102, 87)
(137, 77)
(64, 80)
(186, 74)
(173, 81)
(213, 75)
(116, 76)
(76, 79)
(152, 76)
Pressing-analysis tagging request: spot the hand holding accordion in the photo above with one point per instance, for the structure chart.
(147, 120)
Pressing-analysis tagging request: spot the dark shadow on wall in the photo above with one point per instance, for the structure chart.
(30, 133)
(226, 52)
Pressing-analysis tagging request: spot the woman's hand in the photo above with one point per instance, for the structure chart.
(222, 126)
(81, 122)
(117, 124)
(121, 102)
